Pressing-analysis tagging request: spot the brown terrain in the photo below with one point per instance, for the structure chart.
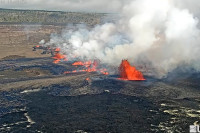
(17, 40)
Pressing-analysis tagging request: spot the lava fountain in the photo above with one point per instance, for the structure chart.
(128, 72)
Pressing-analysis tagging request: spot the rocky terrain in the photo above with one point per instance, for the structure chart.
(36, 95)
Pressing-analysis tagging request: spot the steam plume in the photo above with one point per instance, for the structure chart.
(162, 33)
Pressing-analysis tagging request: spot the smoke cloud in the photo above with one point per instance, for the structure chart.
(161, 33)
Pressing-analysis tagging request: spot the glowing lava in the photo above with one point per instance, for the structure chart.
(57, 50)
(87, 79)
(78, 63)
(128, 72)
(89, 67)
(58, 57)
(86, 64)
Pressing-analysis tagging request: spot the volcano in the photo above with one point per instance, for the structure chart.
(128, 72)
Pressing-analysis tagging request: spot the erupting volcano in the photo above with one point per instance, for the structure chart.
(128, 72)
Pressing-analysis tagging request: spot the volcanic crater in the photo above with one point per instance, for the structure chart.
(44, 94)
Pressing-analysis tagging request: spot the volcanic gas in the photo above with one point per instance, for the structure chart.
(128, 72)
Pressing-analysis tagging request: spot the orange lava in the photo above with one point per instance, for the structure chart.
(57, 50)
(78, 63)
(105, 73)
(56, 61)
(87, 79)
(58, 57)
(128, 72)
(89, 67)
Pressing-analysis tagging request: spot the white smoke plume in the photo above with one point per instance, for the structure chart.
(163, 33)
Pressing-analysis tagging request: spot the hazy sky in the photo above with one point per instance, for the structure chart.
(108, 6)
(65, 5)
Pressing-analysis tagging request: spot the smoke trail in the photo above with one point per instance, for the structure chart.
(162, 33)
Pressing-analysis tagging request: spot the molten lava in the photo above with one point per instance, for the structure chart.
(87, 79)
(128, 72)
(89, 67)
(78, 63)
(57, 50)
(58, 57)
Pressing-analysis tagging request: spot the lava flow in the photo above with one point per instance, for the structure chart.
(128, 72)
(78, 63)
(58, 57)
(89, 67)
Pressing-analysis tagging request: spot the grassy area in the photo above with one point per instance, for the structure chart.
(55, 17)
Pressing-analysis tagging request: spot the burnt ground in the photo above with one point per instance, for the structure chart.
(35, 95)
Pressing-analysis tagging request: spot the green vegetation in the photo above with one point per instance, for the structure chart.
(46, 17)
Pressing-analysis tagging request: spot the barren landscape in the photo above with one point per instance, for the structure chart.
(37, 95)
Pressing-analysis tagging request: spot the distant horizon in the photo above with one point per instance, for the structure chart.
(88, 6)
(19, 9)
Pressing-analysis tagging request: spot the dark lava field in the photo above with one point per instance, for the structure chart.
(36, 96)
